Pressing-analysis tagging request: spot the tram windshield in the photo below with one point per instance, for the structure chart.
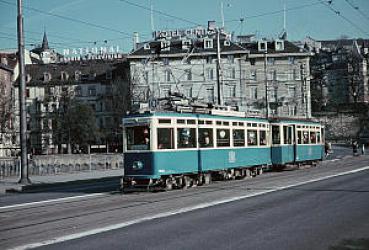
(138, 138)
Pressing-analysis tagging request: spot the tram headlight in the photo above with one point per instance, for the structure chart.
(137, 165)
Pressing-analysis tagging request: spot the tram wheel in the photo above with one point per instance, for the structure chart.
(207, 179)
(168, 184)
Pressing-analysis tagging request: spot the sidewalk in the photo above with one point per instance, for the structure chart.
(10, 184)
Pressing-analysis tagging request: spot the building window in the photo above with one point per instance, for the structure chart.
(271, 75)
(92, 91)
(209, 59)
(167, 75)
(186, 44)
(291, 60)
(210, 94)
(77, 75)
(188, 74)
(232, 73)
(165, 45)
(211, 74)
(188, 92)
(254, 93)
(253, 75)
(252, 61)
(64, 76)
(296, 74)
(271, 60)
(109, 74)
(208, 43)
(47, 77)
(230, 58)
(78, 91)
(232, 90)
(166, 61)
(291, 91)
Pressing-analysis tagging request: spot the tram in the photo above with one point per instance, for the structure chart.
(166, 150)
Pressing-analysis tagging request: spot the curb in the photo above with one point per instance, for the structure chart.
(38, 187)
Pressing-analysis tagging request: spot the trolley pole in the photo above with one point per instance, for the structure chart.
(22, 98)
(266, 86)
(219, 74)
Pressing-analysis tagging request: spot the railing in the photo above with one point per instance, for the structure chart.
(58, 164)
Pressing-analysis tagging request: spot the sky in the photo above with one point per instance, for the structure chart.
(88, 23)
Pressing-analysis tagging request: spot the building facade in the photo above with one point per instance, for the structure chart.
(52, 90)
(250, 74)
(8, 139)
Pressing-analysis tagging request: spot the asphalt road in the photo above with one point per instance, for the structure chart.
(320, 215)
(223, 215)
(339, 152)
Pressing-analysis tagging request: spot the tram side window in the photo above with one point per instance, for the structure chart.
(318, 138)
(263, 138)
(238, 137)
(276, 135)
(223, 138)
(299, 136)
(287, 135)
(252, 137)
(165, 138)
(205, 137)
(305, 138)
(313, 137)
(138, 138)
(186, 137)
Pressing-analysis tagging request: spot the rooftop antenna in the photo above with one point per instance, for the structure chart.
(222, 13)
(283, 34)
(152, 16)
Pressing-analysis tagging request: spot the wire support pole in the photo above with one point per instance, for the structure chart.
(24, 179)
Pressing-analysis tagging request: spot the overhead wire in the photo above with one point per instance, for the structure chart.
(328, 4)
(357, 9)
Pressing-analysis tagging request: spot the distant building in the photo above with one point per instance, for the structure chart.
(8, 139)
(340, 73)
(45, 53)
(100, 84)
(185, 62)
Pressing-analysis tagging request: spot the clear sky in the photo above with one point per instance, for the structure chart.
(80, 23)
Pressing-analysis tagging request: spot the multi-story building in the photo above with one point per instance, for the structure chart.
(50, 90)
(250, 74)
(340, 74)
(7, 130)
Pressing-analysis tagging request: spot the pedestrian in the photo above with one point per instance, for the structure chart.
(326, 149)
(354, 148)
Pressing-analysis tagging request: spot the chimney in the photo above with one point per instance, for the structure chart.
(136, 40)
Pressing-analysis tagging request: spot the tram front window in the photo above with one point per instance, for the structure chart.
(138, 138)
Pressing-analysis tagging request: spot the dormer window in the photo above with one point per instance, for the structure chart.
(165, 45)
(146, 46)
(77, 75)
(208, 43)
(64, 76)
(28, 78)
(109, 74)
(262, 46)
(47, 77)
(279, 45)
(227, 43)
(186, 44)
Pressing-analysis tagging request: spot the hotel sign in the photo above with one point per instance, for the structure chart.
(91, 51)
(196, 32)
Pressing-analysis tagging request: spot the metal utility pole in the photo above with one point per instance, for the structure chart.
(266, 86)
(22, 98)
(219, 74)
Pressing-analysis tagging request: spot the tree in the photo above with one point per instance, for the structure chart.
(75, 125)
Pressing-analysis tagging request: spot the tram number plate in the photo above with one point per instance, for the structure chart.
(231, 156)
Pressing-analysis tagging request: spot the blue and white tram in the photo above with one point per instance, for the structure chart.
(167, 150)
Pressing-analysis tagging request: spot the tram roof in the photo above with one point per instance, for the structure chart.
(212, 116)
